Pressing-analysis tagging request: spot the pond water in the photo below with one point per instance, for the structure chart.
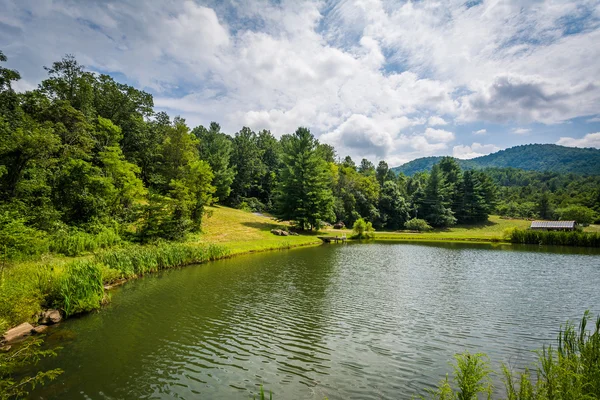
(377, 320)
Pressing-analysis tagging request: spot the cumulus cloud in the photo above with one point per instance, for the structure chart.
(475, 150)
(436, 121)
(521, 131)
(589, 140)
(367, 76)
(480, 132)
(439, 135)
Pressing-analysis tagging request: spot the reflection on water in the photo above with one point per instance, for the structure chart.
(340, 321)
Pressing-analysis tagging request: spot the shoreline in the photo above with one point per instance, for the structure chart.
(227, 234)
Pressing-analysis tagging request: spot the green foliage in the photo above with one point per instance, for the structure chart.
(215, 148)
(137, 260)
(74, 241)
(434, 206)
(304, 193)
(573, 238)
(362, 229)
(581, 214)
(80, 288)
(17, 240)
(26, 354)
(417, 224)
(569, 371)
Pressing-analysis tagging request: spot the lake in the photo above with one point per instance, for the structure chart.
(368, 321)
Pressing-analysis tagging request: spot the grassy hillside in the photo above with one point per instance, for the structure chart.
(531, 157)
(243, 231)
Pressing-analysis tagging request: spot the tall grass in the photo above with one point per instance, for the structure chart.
(75, 242)
(137, 260)
(571, 370)
(80, 289)
(574, 238)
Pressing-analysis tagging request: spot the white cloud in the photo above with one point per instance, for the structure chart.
(594, 119)
(439, 135)
(475, 150)
(589, 140)
(360, 74)
(436, 121)
(521, 131)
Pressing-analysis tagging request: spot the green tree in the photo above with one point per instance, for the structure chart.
(583, 215)
(247, 162)
(393, 209)
(304, 195)
(215, 148)
(434, 206)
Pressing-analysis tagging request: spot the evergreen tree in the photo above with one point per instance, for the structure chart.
(215, 148)
(304, 195)
(435, 207)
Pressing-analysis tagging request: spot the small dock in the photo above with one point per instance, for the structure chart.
(330, 239)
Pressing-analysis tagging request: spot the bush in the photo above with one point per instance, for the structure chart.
(417, 224)
(18, 241)
(363, 229)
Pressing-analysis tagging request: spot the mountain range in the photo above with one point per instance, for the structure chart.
(531, 157)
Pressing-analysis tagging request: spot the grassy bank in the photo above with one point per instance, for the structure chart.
(76, 284)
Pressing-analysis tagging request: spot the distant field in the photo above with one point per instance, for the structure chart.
(244, 231)
(491, 230)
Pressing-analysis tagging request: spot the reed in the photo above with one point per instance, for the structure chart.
(574, 238)
(75, 242)
(571, 370)
(137, 260)
(80, 288)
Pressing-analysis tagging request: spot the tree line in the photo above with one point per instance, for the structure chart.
(85, 154)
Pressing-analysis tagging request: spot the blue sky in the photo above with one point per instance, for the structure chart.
(380, 79)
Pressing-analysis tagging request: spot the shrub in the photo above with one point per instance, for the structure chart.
(417, 224)
(363, 229)
(18, 241)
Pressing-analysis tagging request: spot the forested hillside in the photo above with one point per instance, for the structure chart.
(86, 163)
(531, 157)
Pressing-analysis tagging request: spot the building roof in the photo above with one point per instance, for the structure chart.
(553, 224)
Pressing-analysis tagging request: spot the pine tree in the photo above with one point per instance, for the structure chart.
(435, 207)
(304, 194)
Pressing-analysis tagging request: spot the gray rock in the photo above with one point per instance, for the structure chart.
(50, 317)
(18, 332)
(284, 233)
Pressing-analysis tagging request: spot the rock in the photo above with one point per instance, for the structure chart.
(50, 317)
(284, 233)
(18, 332)
(339, 225)
(276, 232)
(39, 329)
(294, 234)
